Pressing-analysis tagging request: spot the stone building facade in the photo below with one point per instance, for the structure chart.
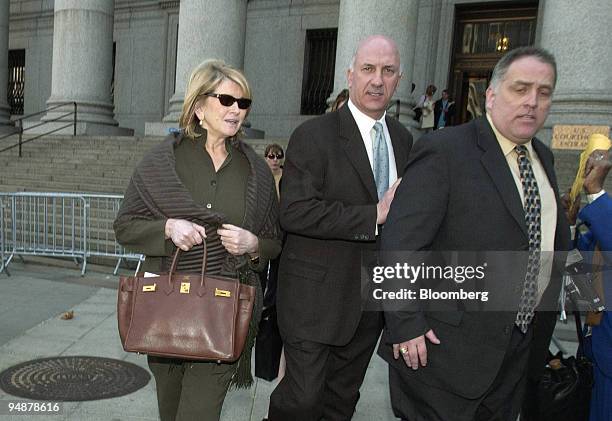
(126, 62)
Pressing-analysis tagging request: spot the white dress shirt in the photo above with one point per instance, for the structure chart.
(365, 125)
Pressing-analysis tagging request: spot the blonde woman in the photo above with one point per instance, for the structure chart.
(204, 185)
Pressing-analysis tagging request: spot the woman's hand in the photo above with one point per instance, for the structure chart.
(238, 241)
(184, 234)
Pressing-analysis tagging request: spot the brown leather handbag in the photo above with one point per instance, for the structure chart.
(183, 315)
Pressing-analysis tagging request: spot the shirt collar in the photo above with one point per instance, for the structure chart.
(507, 146)
(364, 122)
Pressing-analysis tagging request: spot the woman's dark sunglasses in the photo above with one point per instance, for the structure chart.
(277, 156)
(228, 101)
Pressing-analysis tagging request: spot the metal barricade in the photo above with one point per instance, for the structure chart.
(60, 224)
(4, 234)
(101, 241)
(48, 224)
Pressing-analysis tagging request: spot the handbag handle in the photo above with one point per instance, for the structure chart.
(175, 262)
(202, 273)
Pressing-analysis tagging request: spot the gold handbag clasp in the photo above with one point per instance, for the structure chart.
(185, 287)
(222, 293)
(149, 288)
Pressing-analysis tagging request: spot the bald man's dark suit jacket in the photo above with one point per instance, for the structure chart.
(328, 209)
(458, 194)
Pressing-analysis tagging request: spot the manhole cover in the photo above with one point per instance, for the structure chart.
(73, 379)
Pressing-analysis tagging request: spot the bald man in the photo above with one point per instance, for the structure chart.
(338, 181)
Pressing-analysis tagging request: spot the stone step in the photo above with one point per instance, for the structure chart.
(44, 182)
(108, 156)
(80, 164)
(103, 177)
(72, 187)
(49, 179)
(92, 169)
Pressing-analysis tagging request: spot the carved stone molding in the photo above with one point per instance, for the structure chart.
(169, 4)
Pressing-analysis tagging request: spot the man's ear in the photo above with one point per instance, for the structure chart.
(349, 77)
(490, 97)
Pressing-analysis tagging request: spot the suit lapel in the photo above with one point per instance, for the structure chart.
(355, 150)
(496, 165)
(399, 146)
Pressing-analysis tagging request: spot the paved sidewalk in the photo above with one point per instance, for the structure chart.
(33, 298)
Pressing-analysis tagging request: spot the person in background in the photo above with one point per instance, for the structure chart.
(444, 111)
(426, 104)
(269, 344)
(596, 216)
(274, 158)
(340, 100)
(203, 184)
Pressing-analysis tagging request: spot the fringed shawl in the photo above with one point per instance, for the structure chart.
(155, 191)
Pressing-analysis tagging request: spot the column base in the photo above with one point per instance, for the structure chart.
(5, 115)
(7, 128)
(93, 118)
(405, 114)
(82, 128)
(175, 109)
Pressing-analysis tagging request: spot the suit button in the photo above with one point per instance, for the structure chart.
(356, 237)
(507, 330)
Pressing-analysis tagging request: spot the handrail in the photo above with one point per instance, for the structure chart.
(21, 129)
(46, 110)
(397, 108)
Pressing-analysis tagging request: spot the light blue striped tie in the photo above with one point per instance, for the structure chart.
(381, 159)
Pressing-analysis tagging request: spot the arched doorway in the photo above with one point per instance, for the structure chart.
(483, 33)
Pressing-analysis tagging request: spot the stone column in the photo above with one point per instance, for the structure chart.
(82, 66)
(5, 111)
(583, 94)
(396, 19)
(210, 29)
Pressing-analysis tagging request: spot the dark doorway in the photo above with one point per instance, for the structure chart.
(319, 67)
(16, 81)
(482, 34)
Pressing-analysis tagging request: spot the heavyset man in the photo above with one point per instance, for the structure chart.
(487, 185)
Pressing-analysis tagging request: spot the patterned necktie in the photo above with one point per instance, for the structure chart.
(381, 159)
(532, 219)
